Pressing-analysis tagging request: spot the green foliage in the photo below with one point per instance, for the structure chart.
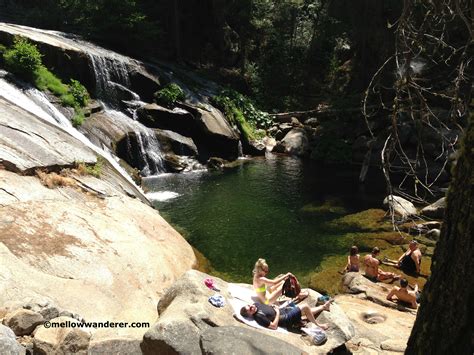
(79, 93)
(169, 95)
(235, 115)
(45, 80)
(72, 95)
(78, 119)
(23, 58)
(228, 98)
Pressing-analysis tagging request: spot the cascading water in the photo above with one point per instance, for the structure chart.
(111, 74)
(150, 159)
(45, 111)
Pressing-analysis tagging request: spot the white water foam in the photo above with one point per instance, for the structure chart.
(162, 195)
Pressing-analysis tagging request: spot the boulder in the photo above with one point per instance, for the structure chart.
(63, 339)
(172, 142)
(434, 234)
(177, 120)
(185, 316)
(226, 340)
(208, 128)
(401, 206)
(56, 241)
(49, 312)
(23, 321)
(436, 209)
(255, 148)
(8, 343)
(295, 143)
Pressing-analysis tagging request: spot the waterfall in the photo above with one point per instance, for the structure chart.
(150, 161)
(28, 102)
(112, 80)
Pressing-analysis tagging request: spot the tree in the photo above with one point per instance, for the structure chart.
(444, 324)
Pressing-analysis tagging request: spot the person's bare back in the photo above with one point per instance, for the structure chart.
(403, 294)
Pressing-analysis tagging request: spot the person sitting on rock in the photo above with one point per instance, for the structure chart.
(271, 316)
(353, 260)
(372, 270)
(410, 261)
(268, 290)
(403, 294)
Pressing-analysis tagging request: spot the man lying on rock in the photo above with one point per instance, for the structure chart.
(272, 317)
(404, 295)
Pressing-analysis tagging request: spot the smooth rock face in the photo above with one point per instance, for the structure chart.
(114, 345)
(388, 332)
(401, 206)
(244, 341)
(176, 143)
(295, 143)
(435, 210)
(28, 143)
(23, 321)
(8, 343)
(185, 315)
(54, 242)
(65, 340)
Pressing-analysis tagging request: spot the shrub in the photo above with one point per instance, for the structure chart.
(45, 80)
(169, 95)
(94, 170)
(252, 115)
(79, 93)
(78, 118)
(23, 58)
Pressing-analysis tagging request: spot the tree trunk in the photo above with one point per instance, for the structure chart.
(444, 324)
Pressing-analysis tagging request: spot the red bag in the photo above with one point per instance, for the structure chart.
(291, 287)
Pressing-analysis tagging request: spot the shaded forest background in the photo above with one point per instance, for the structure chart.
(289, 54)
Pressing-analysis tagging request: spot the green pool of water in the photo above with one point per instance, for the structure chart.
(275, 208)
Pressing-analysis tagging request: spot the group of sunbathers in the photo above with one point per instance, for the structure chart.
(409, 262)
(268, 290)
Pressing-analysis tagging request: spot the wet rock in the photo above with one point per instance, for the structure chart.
(215, 163)
(173, 164)
(255, 148)
(402, 207)
(23, 321)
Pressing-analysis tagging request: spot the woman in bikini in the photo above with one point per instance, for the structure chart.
(353, 260)
(268, 290)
